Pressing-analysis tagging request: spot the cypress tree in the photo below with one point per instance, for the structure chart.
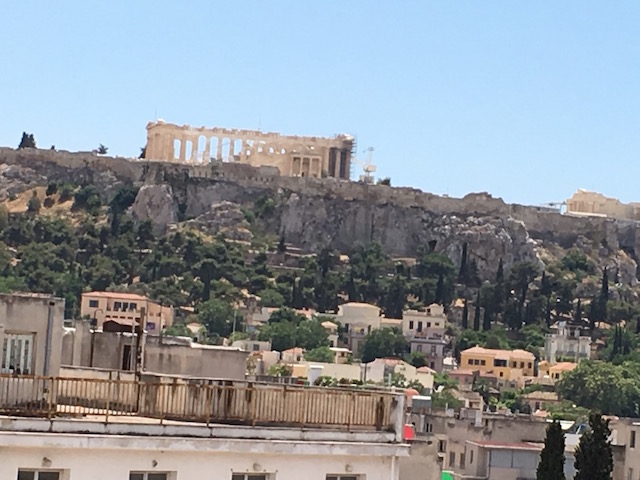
(465, 315)
(593, 313)
(551, 465)
(593, 456)
(440, 290)
(462, 273)
(486, 319)
(476, 314)
(604, 294)
(577, 316)
(500, 272)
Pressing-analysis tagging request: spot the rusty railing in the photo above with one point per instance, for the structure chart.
(206, 401)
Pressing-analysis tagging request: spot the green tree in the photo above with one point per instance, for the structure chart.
(87, 198)
(27, 141)
(34, 205)
(178, 330)
(52, 189)
(384, 342)
(319, 354)
(282, 335)
(271, 298)
(551, 465)
(596, 385)
(310, 334)
(593, 456)
(102, 150)
(417, 359)
(395, 298)
(476, 313)
(217, 316)
(465, 315)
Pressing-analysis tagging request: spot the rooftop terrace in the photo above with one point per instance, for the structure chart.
(199, 408)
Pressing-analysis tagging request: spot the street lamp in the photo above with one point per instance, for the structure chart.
(94, 323)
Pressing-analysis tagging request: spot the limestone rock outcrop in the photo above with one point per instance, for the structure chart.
(155, 203)
(224, 218)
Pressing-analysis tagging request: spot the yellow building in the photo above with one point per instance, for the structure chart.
(555, 372)
(504, 364)
(124, 311)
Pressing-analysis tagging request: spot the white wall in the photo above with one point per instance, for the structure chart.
(85, 462)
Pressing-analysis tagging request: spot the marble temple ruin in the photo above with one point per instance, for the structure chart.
(292, 155)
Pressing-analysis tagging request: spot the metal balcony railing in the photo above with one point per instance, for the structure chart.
(205, 401)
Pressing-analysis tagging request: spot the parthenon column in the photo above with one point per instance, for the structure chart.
(219, 149)
(231, 147)
(183, 149)
(243, 154)
(207, 148)
(194, 150)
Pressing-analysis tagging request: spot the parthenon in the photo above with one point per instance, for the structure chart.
(293, 155)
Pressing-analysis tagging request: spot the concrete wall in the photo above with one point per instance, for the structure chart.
(41, 316)
(422, 463)
(83, 457)
(196, 360)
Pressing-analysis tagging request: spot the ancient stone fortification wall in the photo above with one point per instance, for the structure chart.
(367, 209)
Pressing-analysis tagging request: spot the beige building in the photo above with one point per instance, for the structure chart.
(116, 351)
(122, 311)
(31, 328)
(505, 365)
(584, 202)
(292, 155)
(425, 333)
(358, 320)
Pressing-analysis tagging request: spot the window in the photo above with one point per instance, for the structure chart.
(462, 455)
(428, 427)
(530, 365)
(17, 350)
(470, 362)
(38, 475)
(482, 362)
(133, 306)
(419, 326)
(630, 474)
(125, 306)
(632, 440)
(256, 347)
(252, 476)
(452, 459)
(419, 348)
(117, 306)
(442, 446)
(521, 364)
(471, 457)
(93, 303)
(428, 324)
(410, 324)
(148, 476)
(433, 349)
(502, 374)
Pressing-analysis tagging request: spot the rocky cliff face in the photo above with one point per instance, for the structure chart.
(314, 213)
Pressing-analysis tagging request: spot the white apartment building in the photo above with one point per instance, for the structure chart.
(568, 342)
(180, 430)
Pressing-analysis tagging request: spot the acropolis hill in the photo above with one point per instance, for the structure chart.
(315, 212)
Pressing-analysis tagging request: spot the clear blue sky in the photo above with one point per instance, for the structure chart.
(526, 100)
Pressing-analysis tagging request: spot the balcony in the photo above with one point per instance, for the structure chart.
(202, 401)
